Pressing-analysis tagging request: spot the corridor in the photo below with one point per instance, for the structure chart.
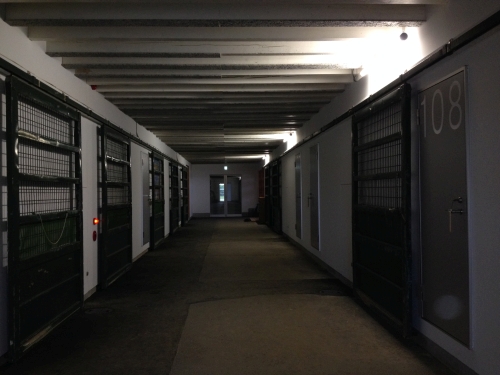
(223, 297)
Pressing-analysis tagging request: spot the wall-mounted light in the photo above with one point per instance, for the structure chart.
(403, 35)
(95, 221)
(225, 167)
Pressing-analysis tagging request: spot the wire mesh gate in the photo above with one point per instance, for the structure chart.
(381, 208)
(184, 195)
(45, 214)
(115, 241)
(273, 195)
(174, 197)
(157, 184)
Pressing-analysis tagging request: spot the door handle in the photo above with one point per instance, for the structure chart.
(454, 211)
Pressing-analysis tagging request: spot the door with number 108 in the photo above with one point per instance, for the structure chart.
(443, 193)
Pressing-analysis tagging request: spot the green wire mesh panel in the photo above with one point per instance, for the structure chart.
(381, 171)
(159, 207)
(43, 237)
(38, 118)
(118, 217)
(45, 208)
(115, 242)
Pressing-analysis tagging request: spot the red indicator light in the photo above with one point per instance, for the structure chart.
(96, 221)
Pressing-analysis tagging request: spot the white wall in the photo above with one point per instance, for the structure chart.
(483, 144)
(16, 48)
(444, 22)
(450, 20)
(90, 204)
(199, 190)
(137, 203)
(334, 198)
(29, 56)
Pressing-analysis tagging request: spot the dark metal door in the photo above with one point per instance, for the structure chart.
(44, 214)
(146, 198)
(445, 255)
(233, 195)
(174, 197)
(313, 198)
(115, 246)
(275, 195)
(267, 192)
(381, 208)
(184, 195)
(298, 197)
(217, 196)
(158, 201)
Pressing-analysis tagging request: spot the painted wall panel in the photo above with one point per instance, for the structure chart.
(288, 200)
(288, 195)
(335, 191)
(136, 173)
(90, 204)
(335, 198)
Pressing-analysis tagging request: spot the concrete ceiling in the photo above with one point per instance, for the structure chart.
(216, 80)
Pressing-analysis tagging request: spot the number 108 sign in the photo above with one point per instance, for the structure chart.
(442, 107)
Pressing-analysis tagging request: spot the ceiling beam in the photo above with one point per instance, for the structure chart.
(85, 73)
(226, 2)
(219, 48)
(321, 61)
(325, 95)
(220, 110)
(132, 109)
(243, 88)
(245, 34)
(214, 15)
(303, 79)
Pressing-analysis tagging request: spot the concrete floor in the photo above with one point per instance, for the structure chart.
(224, 297)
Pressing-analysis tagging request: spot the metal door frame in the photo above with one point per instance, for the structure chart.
(226, 214)
(226, 209)
(104, 278)
(224, 182)
(19, 287)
